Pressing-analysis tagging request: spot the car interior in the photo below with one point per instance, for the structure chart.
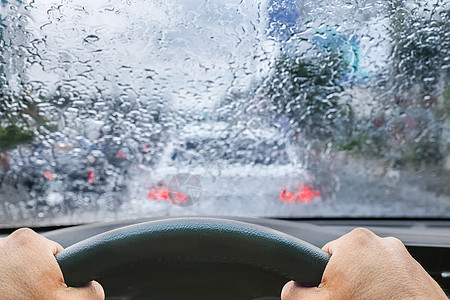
(173, 258)
(209, 149)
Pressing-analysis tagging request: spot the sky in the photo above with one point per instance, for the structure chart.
(191, 53)
(183, 49)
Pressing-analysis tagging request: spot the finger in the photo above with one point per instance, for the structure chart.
(56, 247)
(292, 291)
(332, 246)
(393, 242)
(92, 291)
(357, 235)
(329, 247)
(28, 236)
(52, 246)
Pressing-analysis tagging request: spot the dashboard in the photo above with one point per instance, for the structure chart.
(427, 240)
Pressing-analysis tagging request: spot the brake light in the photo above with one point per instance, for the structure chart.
(163, 193)
(303, 194)
(91, 176)
(158, 194)
(120, 154)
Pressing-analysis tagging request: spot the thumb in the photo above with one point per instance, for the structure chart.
(91, 291)
(293, 291)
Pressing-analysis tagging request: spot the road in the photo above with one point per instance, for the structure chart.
(364, 190)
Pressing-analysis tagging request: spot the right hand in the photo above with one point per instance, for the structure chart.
(365, 266)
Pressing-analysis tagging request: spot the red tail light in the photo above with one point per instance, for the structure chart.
(158, 194)
(163, 193)
(303, 194)
(91, 176)
(48, 175)
(120, 154)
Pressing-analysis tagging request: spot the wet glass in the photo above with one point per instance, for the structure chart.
(125, 109)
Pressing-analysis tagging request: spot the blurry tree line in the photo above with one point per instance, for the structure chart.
(17, 111)
(412, 101)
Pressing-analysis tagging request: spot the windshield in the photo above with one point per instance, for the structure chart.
(126, 109)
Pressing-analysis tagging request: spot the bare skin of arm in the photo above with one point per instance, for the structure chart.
(365, 266)
(29, 271)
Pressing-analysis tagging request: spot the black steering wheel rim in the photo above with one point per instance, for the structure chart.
(193, 239)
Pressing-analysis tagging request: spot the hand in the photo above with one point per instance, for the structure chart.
(29, 271)
(365, 266)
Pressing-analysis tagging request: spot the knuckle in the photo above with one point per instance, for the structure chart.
(24, 234)
(287, 291)
(361, 236)
(362, 233)
(98, 290)
(393, 241)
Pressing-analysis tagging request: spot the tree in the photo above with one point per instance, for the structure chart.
(17, 109)
(418, 77)
(307, 90)
(421, 47)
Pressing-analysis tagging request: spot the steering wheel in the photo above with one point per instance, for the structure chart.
(167, 248)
